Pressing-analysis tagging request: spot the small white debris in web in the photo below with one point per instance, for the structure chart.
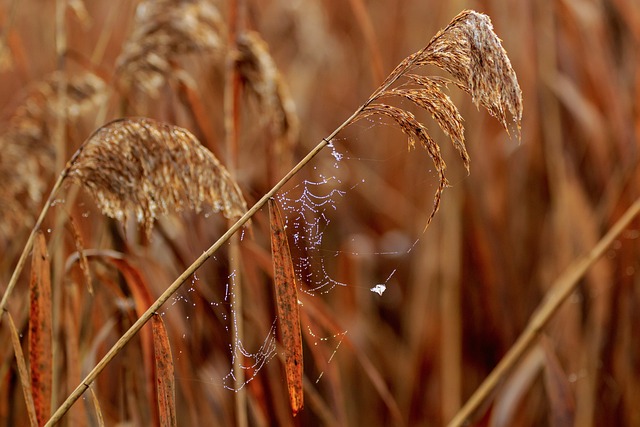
(379, 289)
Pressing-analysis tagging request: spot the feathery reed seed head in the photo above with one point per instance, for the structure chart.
(473, 55)
(265, 83)
(149, 168)
(27, 157)
(163, 30)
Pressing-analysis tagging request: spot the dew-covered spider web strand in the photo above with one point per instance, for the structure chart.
(251, 362)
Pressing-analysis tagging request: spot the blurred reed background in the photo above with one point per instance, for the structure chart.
(459, 298)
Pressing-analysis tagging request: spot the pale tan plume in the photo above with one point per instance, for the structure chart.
(473, 55)
(164, 30)
(145, 168)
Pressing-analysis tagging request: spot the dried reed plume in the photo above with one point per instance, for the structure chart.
(149, 168)
(27, 160)
(264, 82)
(473, 55)
(163, 30)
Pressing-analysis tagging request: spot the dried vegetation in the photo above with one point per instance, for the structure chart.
(507, 233)
(147, 169)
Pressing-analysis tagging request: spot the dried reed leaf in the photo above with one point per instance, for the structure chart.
(96, 406)
(165, 381)
(82, 258)
(287, 305)
(150, 168)
(163, 30)
(264, 82)
(6, 61)
(40, 329)
(559, 390)
(27, 157)
(514, 389)
(23, 373)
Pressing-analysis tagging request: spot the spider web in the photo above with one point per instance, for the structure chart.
(312, 210)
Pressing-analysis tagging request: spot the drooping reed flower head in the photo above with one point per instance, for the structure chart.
(473, 55)
(148, 168)
(27, 155)
(163, 30)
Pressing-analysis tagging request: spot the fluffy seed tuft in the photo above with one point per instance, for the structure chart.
(147, 168)
(473, 55)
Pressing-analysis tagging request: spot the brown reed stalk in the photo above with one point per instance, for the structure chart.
(232, 126)
(558, 293)
(467, 49)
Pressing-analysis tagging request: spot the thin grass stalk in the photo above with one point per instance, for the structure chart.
(27, 248)
(23, 373)
(560, 290)
(168, 293)
(451, 351)
(5, 57)
(369, 33)
(59, 141)
(232, 129)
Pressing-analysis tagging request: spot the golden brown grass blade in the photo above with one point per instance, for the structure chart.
(22, 371)
(559, 390)
(287, 305)
(40, 329)
(96, 406)
(141, 295)
(82, 258)
(165, 381)
(513, 392)
(150, 168)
